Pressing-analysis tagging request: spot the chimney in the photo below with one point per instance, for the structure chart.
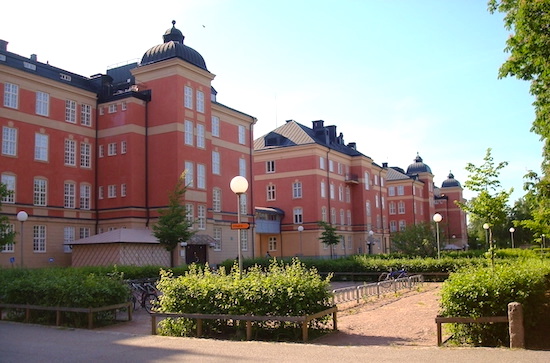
(3, 45)
(33, 57)
(352, 145)
(385, 165)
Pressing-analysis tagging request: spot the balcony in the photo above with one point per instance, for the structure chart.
(352, 179)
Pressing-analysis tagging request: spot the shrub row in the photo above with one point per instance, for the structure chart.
(278, 290)
(486, 291)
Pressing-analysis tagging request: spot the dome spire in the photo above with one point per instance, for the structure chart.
(173, 34)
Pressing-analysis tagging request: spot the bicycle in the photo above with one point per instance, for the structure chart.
(144, 294)
(386, 278)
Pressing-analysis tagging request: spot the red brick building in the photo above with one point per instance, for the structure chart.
(84, 156)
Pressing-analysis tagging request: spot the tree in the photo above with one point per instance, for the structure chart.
(415, 240)
(490, 206)
(173, 226)
(329, 236)
(7, 235)
(537, 200)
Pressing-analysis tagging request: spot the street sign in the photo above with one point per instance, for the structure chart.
(240, 225)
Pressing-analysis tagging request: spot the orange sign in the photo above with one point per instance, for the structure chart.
(240, 225)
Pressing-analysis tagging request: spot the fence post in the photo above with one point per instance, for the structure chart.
(515, 319)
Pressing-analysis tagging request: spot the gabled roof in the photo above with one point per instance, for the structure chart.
(126, 235)
(395, 173)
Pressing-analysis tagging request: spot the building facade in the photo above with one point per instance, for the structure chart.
(83, 156)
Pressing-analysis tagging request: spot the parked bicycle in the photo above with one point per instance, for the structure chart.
(386, 278)
(144, 294)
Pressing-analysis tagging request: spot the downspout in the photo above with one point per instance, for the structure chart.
(251, 188)
(96, 168)
(329, 211)
(147, 211)
(381, 205)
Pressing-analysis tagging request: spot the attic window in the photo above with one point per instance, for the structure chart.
(271, 141)
(65, 77)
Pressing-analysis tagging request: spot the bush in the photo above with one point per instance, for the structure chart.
(483, 291)
(279, 290)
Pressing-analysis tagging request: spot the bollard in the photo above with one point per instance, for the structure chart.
(515, 321)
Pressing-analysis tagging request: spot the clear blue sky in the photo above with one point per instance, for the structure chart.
(396, 77)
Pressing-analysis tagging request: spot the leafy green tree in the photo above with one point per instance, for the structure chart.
(329, 236)
(538, 202)
(415, 240)
(7, 236)
(173, 226)
(491, 203)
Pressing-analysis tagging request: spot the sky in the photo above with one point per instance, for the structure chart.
(398, 77)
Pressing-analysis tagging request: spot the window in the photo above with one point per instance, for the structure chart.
(200, 136)
(270, 166)
(70, 195)
(375, 179)
(331, 166)
(85, 155)
(189, 174)
(9, 181)
(242, 167)
(39, 238)
(190, 209)
(217, 235)
(201, 217)
(348, 195)
(331, 191)
(8, 248)
(242, 132)
(342, 217)
(70, 152)
(368, 208)
(215, 162)
(402, 225)
(324, 214)
(68, 238)
(84, 232)
(215, 126)
(401, 207)
(383, 201)
(349, 217)
(296, 190)
(101, 151)
(243, 204)
(217, 199)
(123, 106)
(123, 189)
(272, 243)
(11, 95)
(321, 163)
(323, 190)
(42, 103)
(100, 192)
(85, 196)
(333, 216)
(40, 192)
(70, 111)
(271, 192)
(111, 191)
(367, 181)
(123, 147)
(200, 101)
(298, 214)
(392, 208)
(340, 169)
(400, 190)
(340, 193)
(9, 141)
(393, 226)
(112, 108)
(201, 176)
(85, 115)
(188, 137)
(244, 240)
(391, 191)
(111, 149)
(188, 97)
(41, 147)
(101, 111)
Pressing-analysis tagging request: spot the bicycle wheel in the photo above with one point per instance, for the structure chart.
(384, 279)
(149, 302)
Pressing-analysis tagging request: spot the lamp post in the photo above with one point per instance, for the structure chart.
(437, 218)
(486, 228)
(301, 229)
(22, 216)
(512, 230)
(370, 241)
(239, 186)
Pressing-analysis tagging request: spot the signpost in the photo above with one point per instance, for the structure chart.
(240, 225)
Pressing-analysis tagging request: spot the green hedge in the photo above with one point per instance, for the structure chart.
(484, 291)
(278, 290)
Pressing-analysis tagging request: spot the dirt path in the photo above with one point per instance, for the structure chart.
(406, 319)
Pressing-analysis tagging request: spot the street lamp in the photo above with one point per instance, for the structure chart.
(239, 186)
(301, 229)
(437, 218)
(22, 216)
(512, 230)
(486, 228)
(370, 241)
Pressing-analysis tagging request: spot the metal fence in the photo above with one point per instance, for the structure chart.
(375, 289)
